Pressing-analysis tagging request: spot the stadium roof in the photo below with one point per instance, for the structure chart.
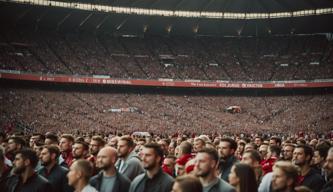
(71, 19)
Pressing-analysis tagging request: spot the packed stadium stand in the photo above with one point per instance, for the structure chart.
(47, 41)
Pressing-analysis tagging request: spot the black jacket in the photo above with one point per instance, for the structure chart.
(122, 183)
(161, 182)
(35, 183)
(57, 177)
(313, 180)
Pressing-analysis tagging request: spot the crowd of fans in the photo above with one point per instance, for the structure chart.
(205, 58)
(175, 163)
(72, 111)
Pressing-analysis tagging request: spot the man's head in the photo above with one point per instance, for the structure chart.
(169, 164)
(152, 155)
(250, 147)
(51, 139)
(263, 150)
(273, 151)
(66, 142)
(15, 144)
(25, 159)
(288, 150)
(275, 141)
(258, 141)
(227, 147)
(80, 149)
(96, 144)
(164, 143)
(106, 158)
(320, 154)
(284, 176)
(206, 162)
(185, 148)
(251, 158)
(125, 146)
(302, 155)
(199, 144)
(80, 171)
(328, 165)
(49, 155)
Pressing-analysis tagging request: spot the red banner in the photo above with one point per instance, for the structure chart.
(165, 82)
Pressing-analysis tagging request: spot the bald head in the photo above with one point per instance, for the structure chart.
(106, 158)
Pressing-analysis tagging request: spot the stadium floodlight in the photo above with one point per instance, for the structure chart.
(175, 13)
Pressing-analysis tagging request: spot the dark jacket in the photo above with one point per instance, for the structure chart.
(35, 183)
(221, 185)
(57, 177)
(328, 187)
(122, 183)
(313, 180)
(161, 182)
(225, 167)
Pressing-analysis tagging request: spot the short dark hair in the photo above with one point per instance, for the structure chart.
(84, 144)
(99, 139)
(18, 140)
(232, 143)
(323, 148)
(30, 154)
(69, 137)
(308, 151)
(157, 148)
(211, 152)
(52, 137)
(275, 149)
(128, 139)
(254, 154)
(276, 139)
(52, 150)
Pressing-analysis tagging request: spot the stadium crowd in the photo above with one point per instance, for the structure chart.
(178, 163)
(72, 111)
(204, 58)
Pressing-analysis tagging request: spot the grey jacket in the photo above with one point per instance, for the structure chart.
(161, 182)
(131, 166)
(221, 185)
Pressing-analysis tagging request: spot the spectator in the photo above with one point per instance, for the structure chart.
(80, 150)
(319, 157)
(154, 179)
(328, 166)
(79, 175)
(288, 150)
(24, 177)
(199, 144)
(284, 176)
(169, 164)
(227, 148)
(15, 144)
(128, 163)
(271, 156)
(252, 158)
(51, 139)
(185, 154)
(109, 179)
(65, 145)
(187, 184)
(53, 172)
(242, 177)
(4, 169)
(275, 141)
(206, 168)
(308, 176)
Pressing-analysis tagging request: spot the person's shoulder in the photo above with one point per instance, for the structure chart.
(224, 186)
(89, 188)
(138, 178)
(123, 178)
(167, 177)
